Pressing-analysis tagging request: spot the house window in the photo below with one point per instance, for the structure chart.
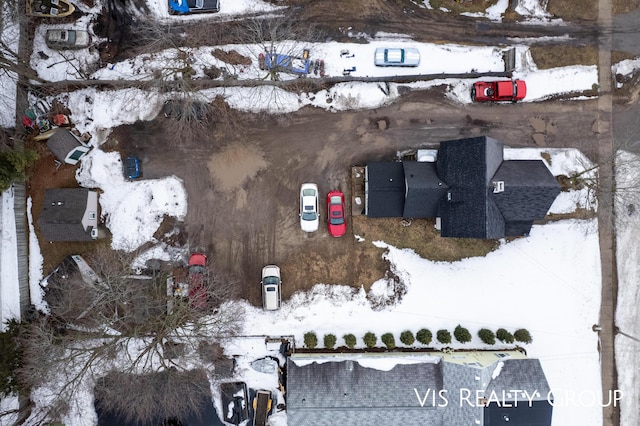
(498, 186)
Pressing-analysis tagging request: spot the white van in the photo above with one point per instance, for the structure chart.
(271, 294)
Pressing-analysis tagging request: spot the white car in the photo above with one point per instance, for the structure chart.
(397, 57)
(309, 213)
(271, 294)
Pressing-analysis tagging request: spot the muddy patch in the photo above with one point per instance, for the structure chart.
(235, 165)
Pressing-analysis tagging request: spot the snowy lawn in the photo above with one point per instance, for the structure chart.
(548, 283)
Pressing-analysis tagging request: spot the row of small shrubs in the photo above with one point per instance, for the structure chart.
(423, 336)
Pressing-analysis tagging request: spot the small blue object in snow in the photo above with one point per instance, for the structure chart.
(132, 168)
(179, 6)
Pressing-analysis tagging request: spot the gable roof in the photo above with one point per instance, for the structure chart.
(526, 375)
(424, 189)
(471, 188)
(385, 189)
(468, 165)
(362, 389)
(348, 393)
(63, 144)
(66, 214)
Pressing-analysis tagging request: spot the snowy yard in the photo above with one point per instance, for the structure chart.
(548, 282)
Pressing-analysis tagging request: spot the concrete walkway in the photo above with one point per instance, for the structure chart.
(611, 415)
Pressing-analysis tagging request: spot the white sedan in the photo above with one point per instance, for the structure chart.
(309, 214)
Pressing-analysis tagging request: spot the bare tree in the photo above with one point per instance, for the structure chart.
(154, 397)
(281, 35)
(113, 324)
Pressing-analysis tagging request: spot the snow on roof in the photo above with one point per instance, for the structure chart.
(382, 362)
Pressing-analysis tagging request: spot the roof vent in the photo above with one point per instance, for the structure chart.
(498, 186)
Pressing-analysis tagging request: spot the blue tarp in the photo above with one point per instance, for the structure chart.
(179, 5)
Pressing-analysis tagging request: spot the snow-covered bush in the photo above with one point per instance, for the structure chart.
(504, 336)
(461, 334)
(406, 337)
(329, 341)
(522, 335)
(370, 339)
(424, 336)
(310, 340)
(350, 340)
(487, 336)
(388, 340)
(443, 336)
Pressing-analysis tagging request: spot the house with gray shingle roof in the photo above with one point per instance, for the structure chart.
(488, 388)
(69, 214)
(470, 187)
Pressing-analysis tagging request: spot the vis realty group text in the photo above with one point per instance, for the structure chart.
(514, 397)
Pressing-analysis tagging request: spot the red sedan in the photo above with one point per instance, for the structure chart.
(197, 289)
(337, 223)
(499, 91)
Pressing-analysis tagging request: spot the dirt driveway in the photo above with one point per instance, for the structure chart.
(243, 189)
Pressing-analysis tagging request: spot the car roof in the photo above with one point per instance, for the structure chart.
(198, 259)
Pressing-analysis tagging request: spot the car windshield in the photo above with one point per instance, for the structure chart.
(336, 218)
(308, 193)
(270, 280)
(335, 199)
(196, 269)
(309, 215)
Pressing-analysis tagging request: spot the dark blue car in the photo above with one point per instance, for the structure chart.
(132, 168)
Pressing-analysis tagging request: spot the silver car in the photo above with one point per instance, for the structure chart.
(397, 57)
(67, 39)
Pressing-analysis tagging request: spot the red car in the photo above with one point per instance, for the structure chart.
(197, 289)
(499, 91)
(335, 214)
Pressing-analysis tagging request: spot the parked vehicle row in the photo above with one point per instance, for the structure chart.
(310, 215)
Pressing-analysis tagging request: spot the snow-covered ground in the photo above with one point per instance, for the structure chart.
(627, 343)
(548, 283)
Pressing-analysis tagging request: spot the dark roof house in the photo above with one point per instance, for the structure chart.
(69, 214)
(66, 147)
(471, 188)
(417, 390)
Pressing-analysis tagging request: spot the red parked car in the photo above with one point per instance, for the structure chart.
(197, 288)
(499, 91)
(336, 221)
